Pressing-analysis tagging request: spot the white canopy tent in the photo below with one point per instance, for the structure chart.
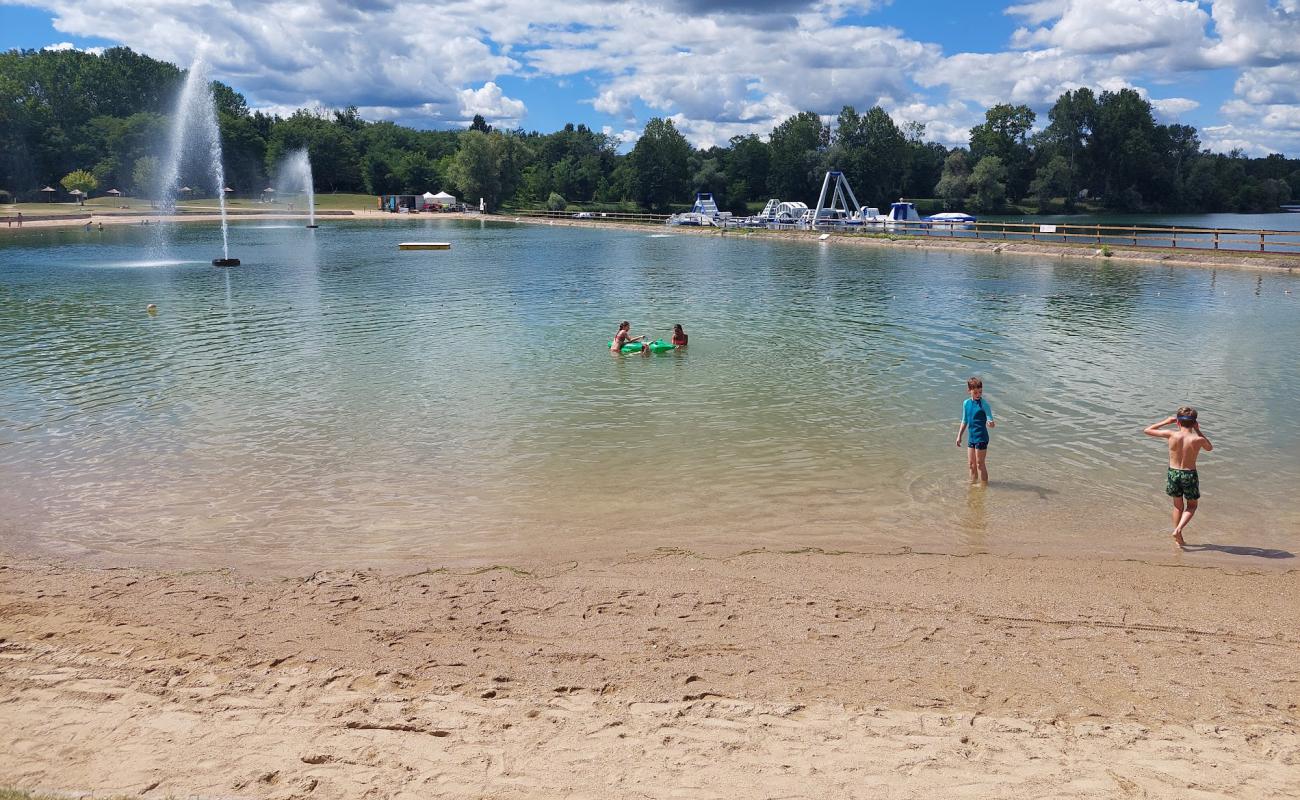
(441, 198)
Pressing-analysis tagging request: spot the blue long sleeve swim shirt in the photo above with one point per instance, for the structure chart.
(976, 415)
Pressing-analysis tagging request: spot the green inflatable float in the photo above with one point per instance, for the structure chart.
(657, 346)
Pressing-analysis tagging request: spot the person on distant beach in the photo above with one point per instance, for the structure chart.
(20, 219)
(624, 336)
(1182, 483)
(679, 336)
(976, 419)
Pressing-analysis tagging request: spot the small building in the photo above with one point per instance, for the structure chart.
(400, 203)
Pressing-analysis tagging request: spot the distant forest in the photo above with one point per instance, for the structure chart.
(104, 118)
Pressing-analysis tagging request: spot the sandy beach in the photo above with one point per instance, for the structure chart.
(721, 671)
(657, 675)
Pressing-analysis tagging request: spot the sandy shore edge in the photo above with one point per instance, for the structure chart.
(1221, 259)
(660, 674)
(1211, 259)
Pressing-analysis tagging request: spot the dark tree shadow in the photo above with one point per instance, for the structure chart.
(1237, 550)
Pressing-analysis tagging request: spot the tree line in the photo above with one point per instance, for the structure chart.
(102, 120)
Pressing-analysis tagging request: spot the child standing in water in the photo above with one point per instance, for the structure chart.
(1181, 481)
(679, 336)
(976, 419)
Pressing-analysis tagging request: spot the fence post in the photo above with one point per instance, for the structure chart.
(1261, 241)
(1098, 234)
(1135, 236)
(1216, 239)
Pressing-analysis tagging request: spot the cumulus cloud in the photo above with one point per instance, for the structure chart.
(1269, 85)
(62, 46)
(1256, 32)
(717, 67)
(491, 103)
(1170, 108)
(1175, 29)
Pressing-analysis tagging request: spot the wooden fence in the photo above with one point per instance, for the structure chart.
(1177, 238)
(594, 216)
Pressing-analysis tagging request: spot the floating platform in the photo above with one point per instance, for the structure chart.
(225, 262)
(424, 246)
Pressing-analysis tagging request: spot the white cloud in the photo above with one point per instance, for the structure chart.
(492, 104)
(1170, 31)
(63, 46)
(1270, 84)
(1171, 108)
(1256, 32)
(717, 67)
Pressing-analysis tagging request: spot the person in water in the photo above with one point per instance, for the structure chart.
(624, 336)
(679, 336)
(976, 419)
(1182, 483)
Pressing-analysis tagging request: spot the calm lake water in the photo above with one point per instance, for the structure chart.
(337, 401)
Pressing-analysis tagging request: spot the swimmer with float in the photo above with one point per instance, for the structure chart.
(625, 337)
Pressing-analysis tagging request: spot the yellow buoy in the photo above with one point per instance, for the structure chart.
(424, 246)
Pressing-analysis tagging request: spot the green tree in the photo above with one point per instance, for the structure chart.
(335, 162)
(1052, 180)
(1126, 151)
(954, 185)
(1005, 134)
(144, 174)
(923, 162)
(476, 168)
(988, 181)
(660, 164)
(797, 150)
(746, 163)
(79, 180)
(1069, 134)
(555, 202)
(710, 177)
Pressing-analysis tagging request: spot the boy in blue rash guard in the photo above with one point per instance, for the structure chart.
(976, 419)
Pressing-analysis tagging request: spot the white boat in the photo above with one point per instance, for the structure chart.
(902, 216)
(952, 219)
(777, 212)
(704, 212)
(870, 215)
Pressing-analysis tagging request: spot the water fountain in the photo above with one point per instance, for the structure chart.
(196, 145)
(294, 176)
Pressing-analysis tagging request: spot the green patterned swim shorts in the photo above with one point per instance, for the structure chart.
(1183, 483)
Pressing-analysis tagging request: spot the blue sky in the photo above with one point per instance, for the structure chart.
(1229, 67)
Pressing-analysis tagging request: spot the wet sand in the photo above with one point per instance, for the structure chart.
(659, 674)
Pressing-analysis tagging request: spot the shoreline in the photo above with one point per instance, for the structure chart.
(1211, 259)
(800, 674)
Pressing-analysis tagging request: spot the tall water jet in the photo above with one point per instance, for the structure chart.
(294, 176)
(196, 144)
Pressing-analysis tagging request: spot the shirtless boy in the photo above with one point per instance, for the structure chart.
(1181, 482)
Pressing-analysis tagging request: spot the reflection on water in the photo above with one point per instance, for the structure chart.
(336, 399)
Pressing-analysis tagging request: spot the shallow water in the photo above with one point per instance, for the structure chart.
(336, 400)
